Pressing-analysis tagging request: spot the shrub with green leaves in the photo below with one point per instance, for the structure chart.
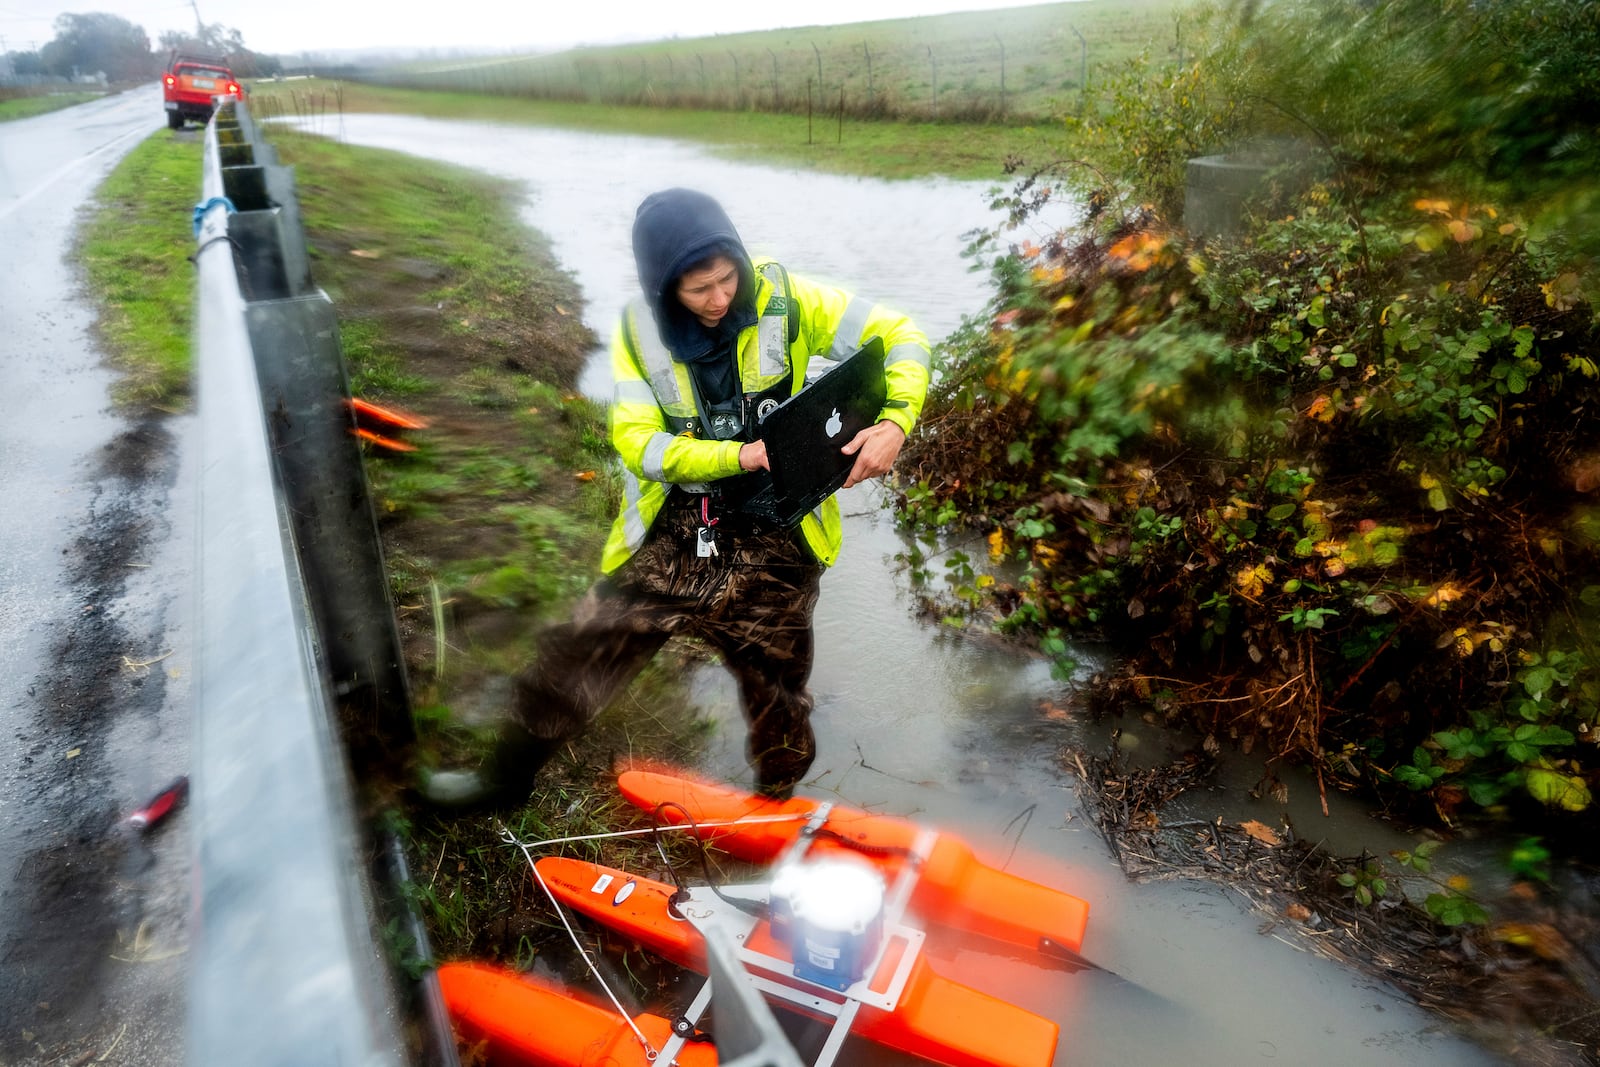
(1329, 483)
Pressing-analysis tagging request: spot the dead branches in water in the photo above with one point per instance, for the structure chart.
(1527, 976)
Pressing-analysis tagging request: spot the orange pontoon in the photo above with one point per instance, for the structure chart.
(524, 1023)
(954, 888)
(905, 1005)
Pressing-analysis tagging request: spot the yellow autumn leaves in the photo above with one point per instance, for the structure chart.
(1549, 786)
(1466, 640)
(997, 545)
(1140, 251)
(1251, 582)
(1462, 223)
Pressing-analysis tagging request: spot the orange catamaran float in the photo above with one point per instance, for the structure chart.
(519, 1021)
(837, 933)
(923, 1014)
(953, 888)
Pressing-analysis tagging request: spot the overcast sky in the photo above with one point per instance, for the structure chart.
(294, 26)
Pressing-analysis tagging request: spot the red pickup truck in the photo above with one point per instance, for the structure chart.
(191, 86)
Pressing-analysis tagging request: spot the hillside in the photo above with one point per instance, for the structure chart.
(1014, 64)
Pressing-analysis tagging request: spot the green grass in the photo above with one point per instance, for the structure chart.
(883, 149)
(893, 126)
(967, 66)
(397, 219)
(949, 95)
(23, 107)
(376, 367)
(451, 309)
(135, 251)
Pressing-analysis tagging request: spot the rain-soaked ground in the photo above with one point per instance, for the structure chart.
(94, 558)
(965, 734)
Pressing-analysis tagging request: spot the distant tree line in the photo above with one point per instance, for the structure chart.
(98, 43)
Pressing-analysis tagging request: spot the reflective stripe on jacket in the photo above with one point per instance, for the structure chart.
(655, 424)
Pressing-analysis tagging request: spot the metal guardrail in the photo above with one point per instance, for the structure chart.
(292, 635)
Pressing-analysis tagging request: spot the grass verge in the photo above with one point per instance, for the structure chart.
(25, 107)
(135, 253)
(883, 149)
(454, 312)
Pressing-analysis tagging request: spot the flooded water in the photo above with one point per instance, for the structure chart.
(916, 720)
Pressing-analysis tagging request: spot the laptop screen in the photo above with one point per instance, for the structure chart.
(805, 433)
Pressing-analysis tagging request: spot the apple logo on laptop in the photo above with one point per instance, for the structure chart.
(834, 424)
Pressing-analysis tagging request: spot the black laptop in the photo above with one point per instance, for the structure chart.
(805, 432)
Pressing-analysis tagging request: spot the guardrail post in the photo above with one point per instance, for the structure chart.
(294, 335)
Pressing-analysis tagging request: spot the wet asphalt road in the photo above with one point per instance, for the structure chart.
(95, 559)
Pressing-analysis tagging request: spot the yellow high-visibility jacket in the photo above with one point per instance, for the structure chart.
(654, 420)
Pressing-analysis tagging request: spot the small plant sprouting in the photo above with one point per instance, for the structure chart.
(1451, 906)
(1366, 881)
(1530, 859)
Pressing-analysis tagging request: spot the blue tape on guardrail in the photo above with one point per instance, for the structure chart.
(200, 210)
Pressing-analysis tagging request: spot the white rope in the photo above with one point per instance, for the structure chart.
(650, 1052)
(748, 820)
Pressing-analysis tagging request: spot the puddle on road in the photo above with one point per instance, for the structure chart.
(918, 721)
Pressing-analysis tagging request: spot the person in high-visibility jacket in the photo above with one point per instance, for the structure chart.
(714, 341)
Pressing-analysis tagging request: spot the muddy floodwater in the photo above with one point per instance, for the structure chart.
(913, 719)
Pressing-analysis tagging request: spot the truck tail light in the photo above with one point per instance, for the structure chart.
(169, 81)
(233, 88)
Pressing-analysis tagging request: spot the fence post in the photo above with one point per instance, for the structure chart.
(841, 115)
(774, 56)
(867, 49)
(1083, 67)
(738, 83)
(808, 111)
(1002, 45)
(933, 66)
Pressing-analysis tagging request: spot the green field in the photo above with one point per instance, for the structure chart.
(882, 149)
(1015, 64)
(22, 107)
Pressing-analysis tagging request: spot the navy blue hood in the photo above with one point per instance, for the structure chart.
(674, 230)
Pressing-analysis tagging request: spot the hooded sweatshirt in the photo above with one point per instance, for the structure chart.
(674, 230)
